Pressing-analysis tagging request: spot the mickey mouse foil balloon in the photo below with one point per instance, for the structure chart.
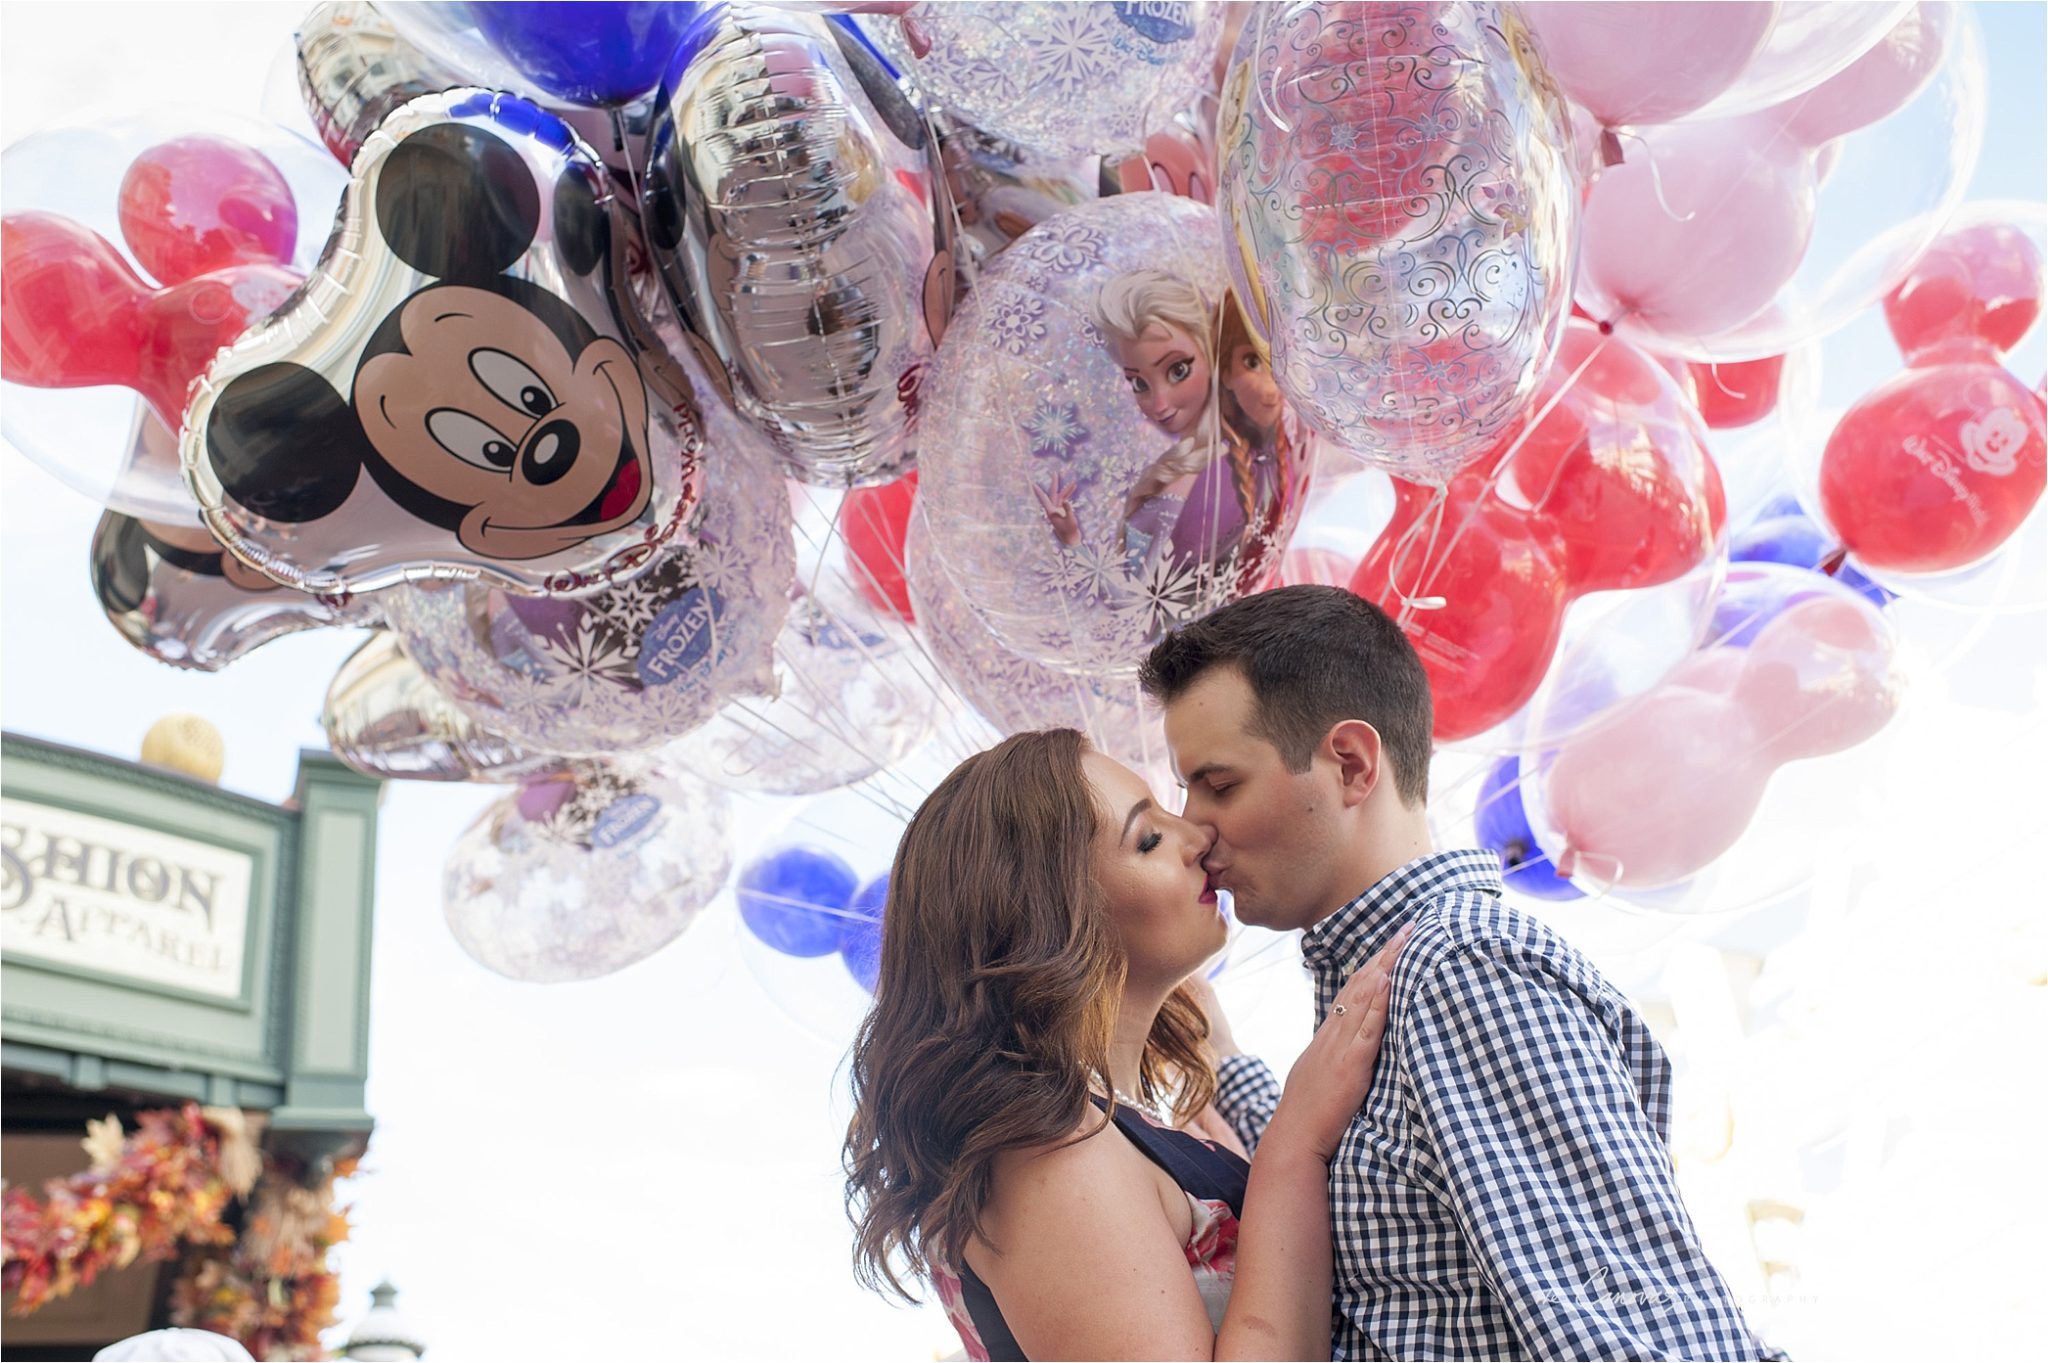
(171, 591)
(454, 393)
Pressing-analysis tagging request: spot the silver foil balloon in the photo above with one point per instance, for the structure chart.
(453, 393)
(851, 699)
(1062, 77)
(1015, 694)
(578, 875)
(171, 590)
(176, 595)
(634, 666)
(1397, 188)
(354, 68)
(385, 719)
(797, 206)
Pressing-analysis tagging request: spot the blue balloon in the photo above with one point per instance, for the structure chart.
(1790, 537)
(795, 899)
(598, 53)
(1503, 825)
(860, 935)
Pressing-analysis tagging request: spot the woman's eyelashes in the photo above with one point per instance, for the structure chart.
(1150, 840)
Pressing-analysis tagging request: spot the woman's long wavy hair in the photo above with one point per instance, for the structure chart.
(1001, 975)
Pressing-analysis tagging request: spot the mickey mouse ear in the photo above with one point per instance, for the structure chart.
(582, 231)
(457, 202)
(120, 569)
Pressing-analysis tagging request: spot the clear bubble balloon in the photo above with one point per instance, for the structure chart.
(579, 875)
(1736, 239)
(1810, 41)
(851, 698)
(264, 201)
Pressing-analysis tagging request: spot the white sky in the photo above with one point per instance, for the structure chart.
(648, 1164)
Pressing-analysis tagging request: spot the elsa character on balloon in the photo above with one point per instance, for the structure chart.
(1192, 506)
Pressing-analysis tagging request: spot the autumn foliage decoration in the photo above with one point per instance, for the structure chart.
(165, 1190)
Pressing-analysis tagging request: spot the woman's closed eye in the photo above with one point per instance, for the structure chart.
(1150, 840)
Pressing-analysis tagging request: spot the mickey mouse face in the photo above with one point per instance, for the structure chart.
(486, 403)
(486, 409)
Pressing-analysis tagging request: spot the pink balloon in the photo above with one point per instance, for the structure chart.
(1873, 87)
(1669, 787)
(1648, 63)
(1697, 230)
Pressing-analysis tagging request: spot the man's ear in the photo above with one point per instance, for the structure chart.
(1355, 747)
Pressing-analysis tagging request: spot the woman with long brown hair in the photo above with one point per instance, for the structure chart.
(1045, 914)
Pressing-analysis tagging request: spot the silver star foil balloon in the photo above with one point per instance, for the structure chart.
(385, 719)
(581, 874)
(796, 204)
(1401, 218)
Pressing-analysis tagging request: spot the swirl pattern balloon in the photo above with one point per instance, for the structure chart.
(635, 665)
(798, 209)
(385, 719)
(1396, 183)
(584, 873)
(354, 69)
(1065, 78)
(1105, 455)
(453, 393)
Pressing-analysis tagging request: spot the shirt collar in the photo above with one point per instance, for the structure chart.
(1349, 937)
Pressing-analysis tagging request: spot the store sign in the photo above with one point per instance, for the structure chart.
(90, 892)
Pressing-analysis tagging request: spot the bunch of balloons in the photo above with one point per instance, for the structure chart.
(707, 398)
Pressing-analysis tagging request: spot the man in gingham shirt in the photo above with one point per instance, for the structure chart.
(1506, 1190)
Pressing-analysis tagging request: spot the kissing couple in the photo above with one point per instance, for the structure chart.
(1054, 1129)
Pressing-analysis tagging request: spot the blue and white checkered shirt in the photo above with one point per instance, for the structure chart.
(1505, 1191)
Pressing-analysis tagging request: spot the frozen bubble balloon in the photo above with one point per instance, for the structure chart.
(1070, 79)
(1105, 454)
(575, 876)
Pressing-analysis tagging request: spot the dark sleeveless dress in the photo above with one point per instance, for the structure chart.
(1213, 1179)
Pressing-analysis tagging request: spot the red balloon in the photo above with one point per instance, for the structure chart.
(1606, 486)
(197, 204)
(1935, 469)
(73, 314)
(1976, 287)
(1738, 393)
(875, 521)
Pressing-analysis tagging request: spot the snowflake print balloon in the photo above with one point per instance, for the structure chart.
(637, 664)
(1071, 79)
(1106, 454)
(582, 873)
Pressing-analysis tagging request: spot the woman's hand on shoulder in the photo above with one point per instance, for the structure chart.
(1089, 1266)
(1330, 1080)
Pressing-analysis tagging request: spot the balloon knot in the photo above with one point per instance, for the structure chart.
(1610, 147)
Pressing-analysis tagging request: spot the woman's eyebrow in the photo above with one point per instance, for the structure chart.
(1136, 810)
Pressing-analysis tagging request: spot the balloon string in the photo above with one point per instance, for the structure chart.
(1656, 175)
(1493, 477)
(1432, 519)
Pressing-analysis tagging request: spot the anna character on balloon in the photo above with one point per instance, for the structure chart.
(1192, 505)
